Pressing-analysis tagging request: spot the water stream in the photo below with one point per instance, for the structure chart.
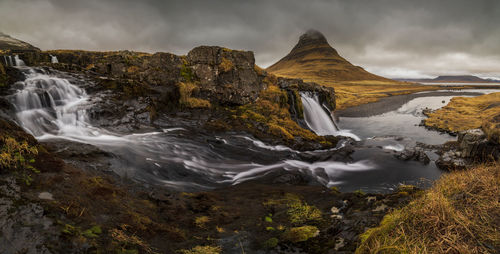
(53, 108)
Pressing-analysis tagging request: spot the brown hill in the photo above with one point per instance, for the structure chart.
(15, 45)
(314, 59)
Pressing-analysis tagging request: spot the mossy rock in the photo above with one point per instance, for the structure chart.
(300, 234)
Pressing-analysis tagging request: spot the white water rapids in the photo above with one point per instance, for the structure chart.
(52, 108)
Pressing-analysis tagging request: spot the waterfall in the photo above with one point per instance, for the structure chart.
(47, 104)
(53, 59)
(10, 61)
(315, 116)
(18, 61)
(318, 119)
(5, 60)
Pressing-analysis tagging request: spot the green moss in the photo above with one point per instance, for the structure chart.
(300, 234)
(268, 219)
(202, 250)
(18, 157)
(298, 211)
(301, 212)
(187, 73)
(270, 243)
(359, 192)
(334, 190)
(92, 232)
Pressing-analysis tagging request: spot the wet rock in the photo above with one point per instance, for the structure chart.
(326, 95)
(475, 144)
(449, 161)
(413, 153)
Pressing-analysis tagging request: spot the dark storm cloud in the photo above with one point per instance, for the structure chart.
(392, 38)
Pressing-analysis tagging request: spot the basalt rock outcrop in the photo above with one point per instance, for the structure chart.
(472, 146)
(226, 76)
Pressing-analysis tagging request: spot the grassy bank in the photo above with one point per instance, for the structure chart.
(463, 113)
(354, 93)
(459, 214)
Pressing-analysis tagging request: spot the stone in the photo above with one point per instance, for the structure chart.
(45, 196)
(380, 208)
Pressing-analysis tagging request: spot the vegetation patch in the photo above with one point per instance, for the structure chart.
(186, 100)
(18, 157)
(459, 214)
(464, 113)
(226, 65)
(300, 234)
(298, 211)
(202, 250)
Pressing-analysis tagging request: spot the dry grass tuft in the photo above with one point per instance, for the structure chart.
(459, 214)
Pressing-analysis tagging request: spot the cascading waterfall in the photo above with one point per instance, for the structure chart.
(10, 61)
(318, 119)
(53, 59)
(18, 61)
(51, 107)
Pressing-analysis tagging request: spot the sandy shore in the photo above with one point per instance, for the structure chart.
(392, 103)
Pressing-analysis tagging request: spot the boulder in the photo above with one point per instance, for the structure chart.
(474, 144)
(414, 153)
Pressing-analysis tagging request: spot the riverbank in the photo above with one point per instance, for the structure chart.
(469, 113)
(394, 102)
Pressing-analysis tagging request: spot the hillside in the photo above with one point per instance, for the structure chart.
(9, 43)
(314, 58)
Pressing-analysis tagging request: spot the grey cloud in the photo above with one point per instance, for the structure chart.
(389, 37)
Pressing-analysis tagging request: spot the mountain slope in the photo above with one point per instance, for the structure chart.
(454, 79)
(9, 43)
(313, 58)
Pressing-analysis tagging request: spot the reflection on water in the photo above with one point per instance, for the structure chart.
(403, 122)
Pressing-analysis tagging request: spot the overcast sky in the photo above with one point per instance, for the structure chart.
(391, 38)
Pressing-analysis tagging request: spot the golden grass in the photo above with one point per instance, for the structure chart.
(354, 93)
(464, 113)
(185, 91)
(459, 214)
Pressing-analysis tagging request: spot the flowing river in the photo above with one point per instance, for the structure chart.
(53, 108)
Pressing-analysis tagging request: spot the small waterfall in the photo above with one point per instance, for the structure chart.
(18, 61)
(53, 59)
(49, 105)
(5, 61)
(10, 61)
(318, 118)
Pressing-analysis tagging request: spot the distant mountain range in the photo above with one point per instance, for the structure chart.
(12, 44)
(314, 59)
(454, 79)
